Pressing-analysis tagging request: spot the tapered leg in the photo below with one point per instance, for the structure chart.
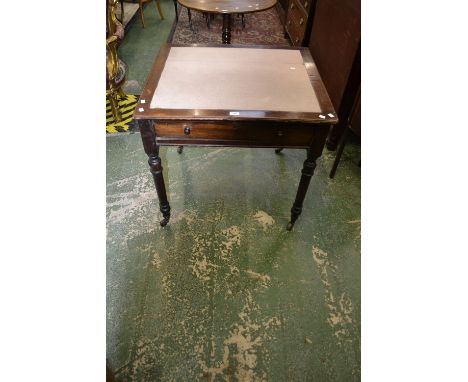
(180, 149)
(140, 3)
(158, 5)
(176, 13)
(226, 36)
(189, 12)
(121, 12)
(148, 137)
(344, 139)
(307, 172)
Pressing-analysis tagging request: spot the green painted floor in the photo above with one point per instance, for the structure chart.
(224, 292)
(141, 45)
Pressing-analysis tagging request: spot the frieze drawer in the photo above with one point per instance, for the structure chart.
(296, 135)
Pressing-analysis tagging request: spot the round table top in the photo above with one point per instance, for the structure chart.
(228, 6)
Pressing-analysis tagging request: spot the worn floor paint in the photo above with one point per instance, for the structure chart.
(224, 292)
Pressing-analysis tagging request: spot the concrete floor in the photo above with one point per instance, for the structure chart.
(224, 292)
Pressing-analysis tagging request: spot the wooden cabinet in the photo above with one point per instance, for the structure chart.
(335, 44)
(299, 21)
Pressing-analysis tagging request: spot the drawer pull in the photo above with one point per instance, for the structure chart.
(280, 133)
(186, 130)
(301, 21)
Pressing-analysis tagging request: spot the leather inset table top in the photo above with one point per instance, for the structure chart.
(235, 79)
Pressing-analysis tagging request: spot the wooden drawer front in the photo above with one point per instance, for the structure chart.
(287, 135)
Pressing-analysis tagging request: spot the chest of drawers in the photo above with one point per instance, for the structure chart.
(298, 20)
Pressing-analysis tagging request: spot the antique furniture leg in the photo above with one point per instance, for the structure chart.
(121, 12)
(307, 172)
(148, 137)
(226, 36)
(190, 18)
(344, 139)
(140, 4)
(158, 5)
(176, 13)
(278, 150)
(180, 149)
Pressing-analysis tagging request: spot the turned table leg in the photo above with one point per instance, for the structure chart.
(148, 137)
(226, 36)
(307, 172)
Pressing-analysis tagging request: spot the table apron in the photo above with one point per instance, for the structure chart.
(248, 134)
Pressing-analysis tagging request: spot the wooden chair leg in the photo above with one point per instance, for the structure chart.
(122, 13)
(176, 13)
(339, 152)
(140, 3)
(158, 5)
(189, 17)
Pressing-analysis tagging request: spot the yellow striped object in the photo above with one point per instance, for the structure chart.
(126, 107)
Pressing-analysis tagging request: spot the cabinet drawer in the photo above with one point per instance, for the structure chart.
(296, 21)
(240, 133)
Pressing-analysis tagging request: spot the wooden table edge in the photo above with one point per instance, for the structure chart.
(143, 110)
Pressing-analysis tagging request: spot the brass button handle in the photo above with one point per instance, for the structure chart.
(186, 130)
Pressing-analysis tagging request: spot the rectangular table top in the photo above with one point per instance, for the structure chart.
(242, 82)
(235, 79)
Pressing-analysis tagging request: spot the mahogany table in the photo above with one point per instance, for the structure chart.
(226, 8)
(249, 96)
